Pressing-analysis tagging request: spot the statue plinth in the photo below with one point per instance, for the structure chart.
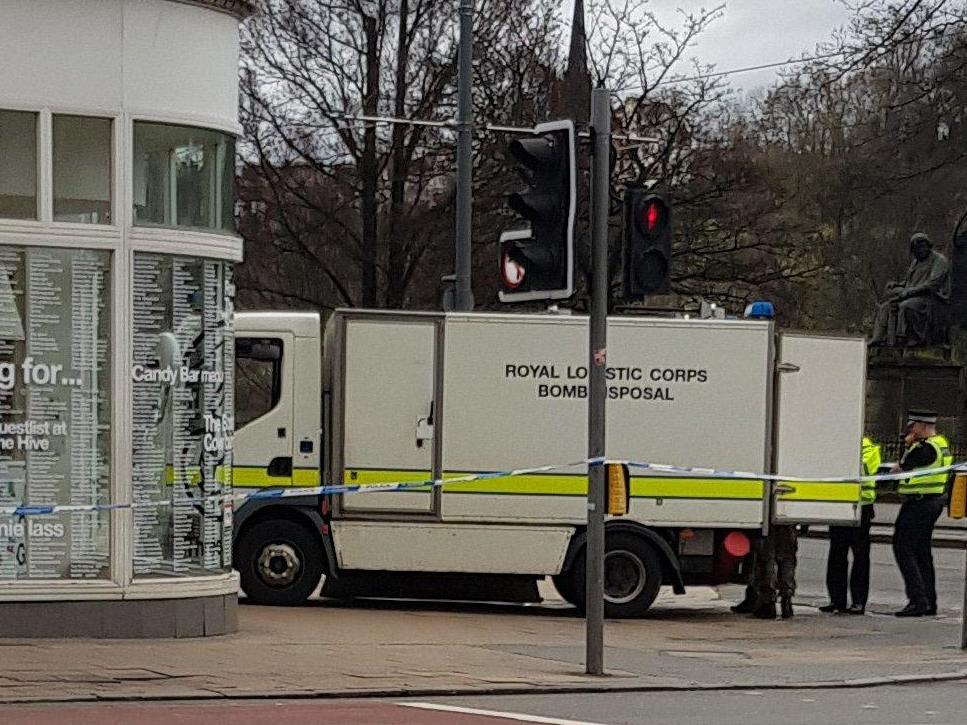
(925, 377)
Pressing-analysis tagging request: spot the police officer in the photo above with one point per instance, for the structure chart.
(923, 502)
(844, 538)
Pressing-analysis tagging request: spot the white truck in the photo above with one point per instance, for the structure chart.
(403, 396)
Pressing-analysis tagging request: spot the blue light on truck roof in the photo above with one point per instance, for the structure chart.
(760, 310)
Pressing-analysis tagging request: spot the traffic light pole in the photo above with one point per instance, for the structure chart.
(463, 297)
(597, 364)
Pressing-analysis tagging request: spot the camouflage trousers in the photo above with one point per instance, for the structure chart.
(775, 564)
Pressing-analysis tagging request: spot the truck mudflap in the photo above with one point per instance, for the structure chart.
(673, 572)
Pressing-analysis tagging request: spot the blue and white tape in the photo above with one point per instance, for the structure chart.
(696, 471)
(685, 472)
(272, 493)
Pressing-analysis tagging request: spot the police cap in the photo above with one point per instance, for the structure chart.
(921, 416)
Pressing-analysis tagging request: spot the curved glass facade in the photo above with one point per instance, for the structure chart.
(55, 411)
(63, 321)
(117, 140)
(181, 454)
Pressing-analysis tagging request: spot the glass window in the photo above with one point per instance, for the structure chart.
(55, 411)
(18, 165)
(183, 177)
(82, 169)
(182, 373)
(258, 377)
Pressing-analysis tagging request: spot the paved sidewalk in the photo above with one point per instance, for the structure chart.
(327, 650)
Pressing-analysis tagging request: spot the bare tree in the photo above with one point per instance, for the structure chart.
(356, 207)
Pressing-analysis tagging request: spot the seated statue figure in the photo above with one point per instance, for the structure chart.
(909, 316)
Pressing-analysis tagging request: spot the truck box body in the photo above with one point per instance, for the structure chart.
(420, 396)
(510, 391)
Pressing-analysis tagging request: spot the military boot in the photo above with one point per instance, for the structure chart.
(746, 606)
(765, 610)
(786, 608)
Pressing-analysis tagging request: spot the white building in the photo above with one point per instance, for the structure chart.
(118, 121)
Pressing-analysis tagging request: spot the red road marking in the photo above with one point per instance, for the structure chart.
(332, 712)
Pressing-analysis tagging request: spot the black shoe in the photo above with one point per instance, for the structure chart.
(786, 608)
(912, 610)
(746, 606)
(765, 611)
(830, 608)
(931, 612)
(856, 609)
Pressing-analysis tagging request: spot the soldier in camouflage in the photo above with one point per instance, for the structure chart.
(775, 572)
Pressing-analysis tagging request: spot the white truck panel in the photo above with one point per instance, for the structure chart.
(497, 418)
(573, 510)
(494, 422)
(722, 422)
(691, 512)
(307, 441)
(515, 396)
(820, 422)
(468, 548)
(389, 388)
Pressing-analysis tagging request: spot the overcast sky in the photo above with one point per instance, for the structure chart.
(755, 32)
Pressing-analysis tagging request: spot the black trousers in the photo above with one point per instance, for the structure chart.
(842, 540)
(912, 540)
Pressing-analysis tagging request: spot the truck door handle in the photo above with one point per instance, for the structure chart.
(783, 488)
(424, 428)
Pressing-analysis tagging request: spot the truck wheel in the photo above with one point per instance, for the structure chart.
(633, 575)
(564, 583)
(280, 563)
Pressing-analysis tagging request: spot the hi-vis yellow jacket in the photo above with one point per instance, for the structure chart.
(871, 464)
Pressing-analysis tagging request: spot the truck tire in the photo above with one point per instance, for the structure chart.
(564, 583)
(280, 562)
(633, 574)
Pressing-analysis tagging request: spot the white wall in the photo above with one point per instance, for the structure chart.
(154, 58)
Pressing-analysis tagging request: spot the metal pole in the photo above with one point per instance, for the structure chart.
(598, 341)
(963, 609)
(463, 292)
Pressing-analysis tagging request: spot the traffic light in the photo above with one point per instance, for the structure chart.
(537, 263)
(646, 257)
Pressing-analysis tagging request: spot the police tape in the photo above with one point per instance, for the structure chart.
(275, 493)
(683, 472)
(697, 471)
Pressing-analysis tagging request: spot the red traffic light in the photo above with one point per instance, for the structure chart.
(647, 247)
(651, 217)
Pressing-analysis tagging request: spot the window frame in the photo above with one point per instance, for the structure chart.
(218, 205)
(276, 391)
(112, 164)
(38, 165)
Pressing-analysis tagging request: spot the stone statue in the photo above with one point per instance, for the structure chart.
(912, 315)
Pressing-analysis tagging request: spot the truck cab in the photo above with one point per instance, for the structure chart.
(278, 400)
